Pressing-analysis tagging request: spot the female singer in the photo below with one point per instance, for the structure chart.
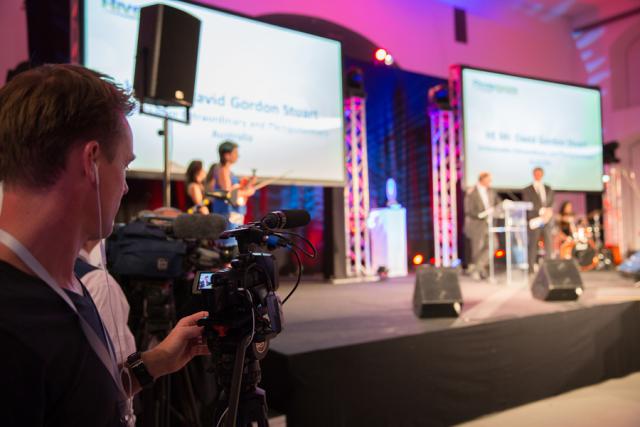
(210, 180)
(226, 180)
(195, 187)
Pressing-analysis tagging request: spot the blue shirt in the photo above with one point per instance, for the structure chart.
(223, 208)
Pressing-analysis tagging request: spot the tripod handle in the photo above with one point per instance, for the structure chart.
(236, 381)
(210, 325)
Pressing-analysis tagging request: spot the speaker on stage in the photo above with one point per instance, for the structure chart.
(557, 280)
(167, 56)
(437, 292)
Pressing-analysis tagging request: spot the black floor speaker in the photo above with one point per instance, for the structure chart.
(437, 292)
(166, 56)
(557, 280)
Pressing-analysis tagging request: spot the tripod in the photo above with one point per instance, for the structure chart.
(238, 375)
(157, 320)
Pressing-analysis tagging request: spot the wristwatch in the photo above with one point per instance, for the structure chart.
(136, 365)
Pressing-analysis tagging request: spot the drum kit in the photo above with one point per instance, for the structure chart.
(586, 245)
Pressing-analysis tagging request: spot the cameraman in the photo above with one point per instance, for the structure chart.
(65, 145)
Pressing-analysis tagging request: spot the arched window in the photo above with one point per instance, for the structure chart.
(633, 71)
(625, 67)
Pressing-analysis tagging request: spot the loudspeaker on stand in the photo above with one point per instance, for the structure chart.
(166, 56)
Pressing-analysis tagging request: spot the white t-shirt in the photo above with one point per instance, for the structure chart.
(484, 195)
(542, 193)
(113, 308)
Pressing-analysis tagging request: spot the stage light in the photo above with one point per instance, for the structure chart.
(355, 82)
(381, 54)
(500, 253)
(438, 97)
(606, 178)
(418, 259)
(388, 60)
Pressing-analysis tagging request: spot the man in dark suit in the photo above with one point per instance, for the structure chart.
(478, 204)
(540, 217)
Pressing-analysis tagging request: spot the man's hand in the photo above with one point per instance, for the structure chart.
(546, 214)
(485, 213)
(182, 344)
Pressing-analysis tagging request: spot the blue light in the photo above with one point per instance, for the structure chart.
(599, 77)
(591, 66)
(585, 39)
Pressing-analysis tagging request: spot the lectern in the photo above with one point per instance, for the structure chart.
(515, 231)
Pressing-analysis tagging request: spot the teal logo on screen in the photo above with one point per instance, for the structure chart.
(492, 87)
(121, 8)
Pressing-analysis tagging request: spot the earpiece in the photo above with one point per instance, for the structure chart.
(95, 171)
(98, 203)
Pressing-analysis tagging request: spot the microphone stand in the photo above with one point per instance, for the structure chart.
(166, 175)
(164, 132)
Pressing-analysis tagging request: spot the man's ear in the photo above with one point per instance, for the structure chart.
(90, 155)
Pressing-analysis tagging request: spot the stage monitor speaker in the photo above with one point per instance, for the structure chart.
(557, 280)
(437, 292)
(167, 56)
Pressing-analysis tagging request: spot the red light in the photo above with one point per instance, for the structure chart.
(381, 54)
(418, 259)
(432, 261)
(500, 253)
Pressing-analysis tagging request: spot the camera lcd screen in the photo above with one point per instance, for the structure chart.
(204, 280)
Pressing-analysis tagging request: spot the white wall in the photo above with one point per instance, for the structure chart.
(608, 61)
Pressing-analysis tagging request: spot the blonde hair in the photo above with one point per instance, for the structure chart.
(483, 175)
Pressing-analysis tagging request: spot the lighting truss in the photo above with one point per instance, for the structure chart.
(356, 191)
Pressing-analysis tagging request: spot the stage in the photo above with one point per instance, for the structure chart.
(355, 354)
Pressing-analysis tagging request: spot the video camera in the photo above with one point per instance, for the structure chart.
(158, 253)
(245, 312)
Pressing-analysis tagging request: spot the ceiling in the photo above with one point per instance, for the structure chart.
(578, 12)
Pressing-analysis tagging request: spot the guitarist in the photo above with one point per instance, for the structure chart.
(224, 179)
(540, 217)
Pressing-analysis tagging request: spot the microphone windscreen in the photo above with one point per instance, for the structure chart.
(287, 218)
(296, 218)
(199, 226)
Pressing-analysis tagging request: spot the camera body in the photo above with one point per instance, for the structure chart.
(240, 298)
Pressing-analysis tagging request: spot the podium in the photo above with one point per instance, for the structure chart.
(515, 231)
(388, 231)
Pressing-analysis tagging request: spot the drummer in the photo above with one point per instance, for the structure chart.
(566, 220)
